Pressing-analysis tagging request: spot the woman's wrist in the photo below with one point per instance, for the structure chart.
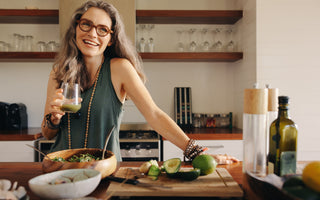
(49, 123)
(193, 150)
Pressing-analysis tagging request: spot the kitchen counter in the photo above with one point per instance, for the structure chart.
(23, 171)
(194, 133)
(19, 135)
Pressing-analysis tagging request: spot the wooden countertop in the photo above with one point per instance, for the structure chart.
(19, 135)
(194, 133)
(22, 172)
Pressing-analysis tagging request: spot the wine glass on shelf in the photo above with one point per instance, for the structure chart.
(217, 42)
(71, 93)
(180, 40)
(149, 28)
(192, 44)
(141, 37)
(150, 44)
(204, 37)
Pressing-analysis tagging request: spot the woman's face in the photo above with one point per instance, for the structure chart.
(90, 43)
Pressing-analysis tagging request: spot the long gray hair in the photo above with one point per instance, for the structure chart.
(69, 65)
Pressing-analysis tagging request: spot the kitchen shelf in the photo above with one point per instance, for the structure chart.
(190, 56)
(32, 16)
(188, 16)
(13, 56)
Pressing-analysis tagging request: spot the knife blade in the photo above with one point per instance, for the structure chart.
(135, 182)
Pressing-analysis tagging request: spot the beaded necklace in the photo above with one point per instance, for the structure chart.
(89, 109)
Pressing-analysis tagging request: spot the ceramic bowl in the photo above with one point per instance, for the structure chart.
(106, 166)
(49, 186)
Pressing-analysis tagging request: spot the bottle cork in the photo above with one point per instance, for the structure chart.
(255, 101)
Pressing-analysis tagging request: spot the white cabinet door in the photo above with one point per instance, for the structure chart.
(230, 147)
(16, 151)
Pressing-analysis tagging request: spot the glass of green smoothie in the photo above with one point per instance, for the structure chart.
(71, 93)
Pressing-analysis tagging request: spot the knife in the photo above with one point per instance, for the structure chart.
(135, 182)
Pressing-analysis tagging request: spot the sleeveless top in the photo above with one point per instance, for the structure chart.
(106, 111)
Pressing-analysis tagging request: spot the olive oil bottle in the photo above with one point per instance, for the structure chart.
(282, 154)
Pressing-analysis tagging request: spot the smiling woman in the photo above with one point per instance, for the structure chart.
(97, 54)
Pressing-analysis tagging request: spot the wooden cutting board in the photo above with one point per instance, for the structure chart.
(218, 184)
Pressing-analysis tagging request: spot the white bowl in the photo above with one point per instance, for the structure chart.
(41, 186)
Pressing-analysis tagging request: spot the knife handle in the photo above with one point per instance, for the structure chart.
(120, 180)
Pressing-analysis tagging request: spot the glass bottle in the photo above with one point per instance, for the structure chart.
(282, 142)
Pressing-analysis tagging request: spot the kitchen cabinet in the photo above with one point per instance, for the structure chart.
(230, 147)
(190, 17)
(16, 151)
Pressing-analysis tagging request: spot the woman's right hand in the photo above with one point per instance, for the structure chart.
(55, 105)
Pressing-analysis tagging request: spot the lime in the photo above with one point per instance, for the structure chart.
(154, 171)
(206, 163)
(172, 165)
(311, 175)
(188, 175)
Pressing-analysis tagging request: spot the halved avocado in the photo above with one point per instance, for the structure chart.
(188, 175)
(172, 165)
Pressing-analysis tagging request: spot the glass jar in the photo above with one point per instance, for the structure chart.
(210, 121)
(41, 46)
(196, 121)
(29, 43)
(51, 47)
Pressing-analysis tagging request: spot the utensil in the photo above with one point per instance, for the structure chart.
(38, 151)
(106, 142)
(136, 182)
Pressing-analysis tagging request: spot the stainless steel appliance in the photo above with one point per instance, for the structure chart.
(138, 142)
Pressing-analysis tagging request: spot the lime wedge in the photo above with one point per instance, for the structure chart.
(154, 171)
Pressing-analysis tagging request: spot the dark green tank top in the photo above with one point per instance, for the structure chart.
(106, 111)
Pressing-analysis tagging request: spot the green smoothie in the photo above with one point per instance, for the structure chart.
(70, 108)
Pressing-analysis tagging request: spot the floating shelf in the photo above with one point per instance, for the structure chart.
(22, 16)
(188, 56)
(188, 16)
(26, 56)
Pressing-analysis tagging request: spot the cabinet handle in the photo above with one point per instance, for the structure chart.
(216, 146)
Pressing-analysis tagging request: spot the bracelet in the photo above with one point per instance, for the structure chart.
(193, 150)
(49, 123)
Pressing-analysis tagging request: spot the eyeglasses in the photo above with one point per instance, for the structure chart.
(86, 26)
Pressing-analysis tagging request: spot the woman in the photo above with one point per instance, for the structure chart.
(97, 54)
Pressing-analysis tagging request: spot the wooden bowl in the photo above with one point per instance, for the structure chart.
(106, 166)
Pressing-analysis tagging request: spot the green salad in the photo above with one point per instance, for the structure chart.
(81, 158)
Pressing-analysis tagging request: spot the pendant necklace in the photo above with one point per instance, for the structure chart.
(89, 109)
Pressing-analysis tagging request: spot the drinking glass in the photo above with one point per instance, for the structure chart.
(71, 93)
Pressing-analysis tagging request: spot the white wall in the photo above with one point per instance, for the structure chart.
(288, 58)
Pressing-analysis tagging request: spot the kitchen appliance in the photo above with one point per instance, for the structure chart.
(18, 118)
(13, 116)
(4, 109)
(138, 142)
